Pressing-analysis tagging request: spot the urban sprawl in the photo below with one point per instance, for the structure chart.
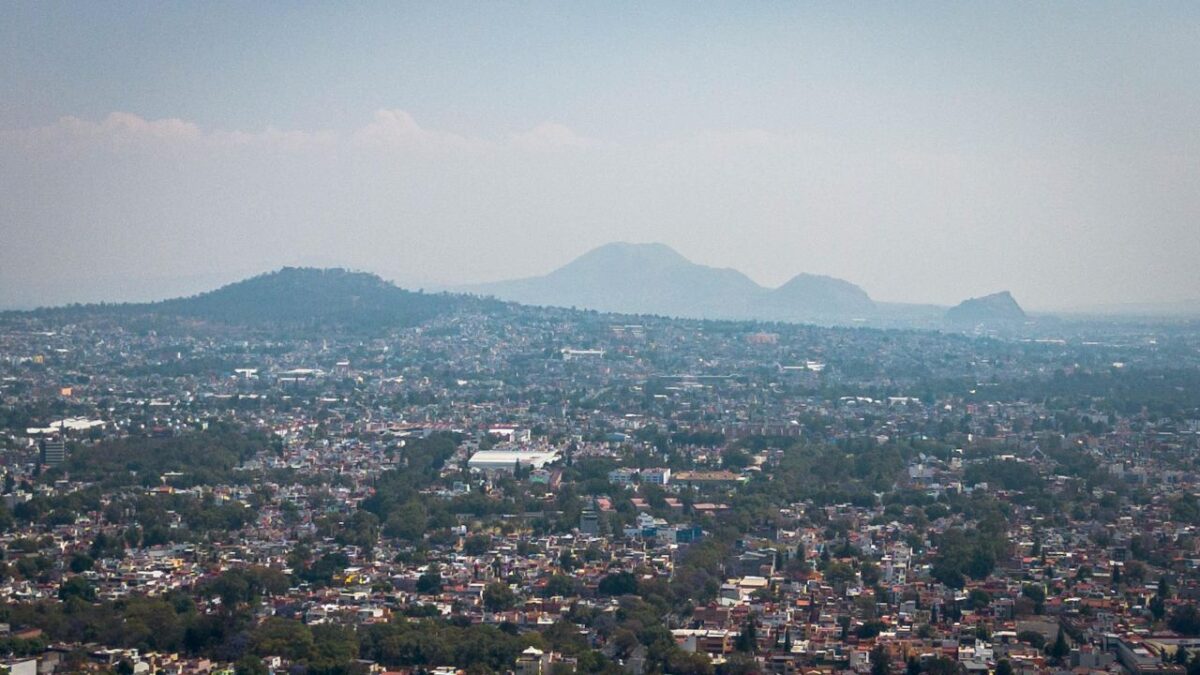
(498, 488)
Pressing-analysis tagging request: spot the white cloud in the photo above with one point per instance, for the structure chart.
(397, 128)
(118, 129)
(388, 129)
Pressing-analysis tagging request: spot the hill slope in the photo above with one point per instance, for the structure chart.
(655, 279)
(813, 296)
(296, 296)
(995, 308)
(636, 279)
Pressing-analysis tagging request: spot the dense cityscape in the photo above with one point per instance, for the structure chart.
(327, 483)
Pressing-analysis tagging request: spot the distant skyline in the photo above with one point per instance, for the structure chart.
(928, 153)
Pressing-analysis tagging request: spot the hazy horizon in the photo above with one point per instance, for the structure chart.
(927, 154)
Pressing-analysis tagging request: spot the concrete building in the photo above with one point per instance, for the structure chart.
(509, 460)
(54, 451)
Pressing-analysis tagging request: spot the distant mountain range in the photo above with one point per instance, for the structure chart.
(655, 279)
(618, 278)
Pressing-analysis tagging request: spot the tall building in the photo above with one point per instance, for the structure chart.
(54, 451)
(589, 523)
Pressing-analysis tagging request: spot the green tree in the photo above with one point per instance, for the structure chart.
(498, 597)
(1060, 649)
(1032, 638)
(81, 562)
(941, 665)
(978, 598)
(1185, 620)
(1158, 607)
(76, 587)
(408, 523)
(559, 585)
(477, 544)
(287, 638)
(880, 661)
(1193, 666)
(361, 529)
(250, 665)
(869, 572)
(619, 583)
(334, 647)
(430, 581)
(1036, 593)
(747, 640)
(739, 664)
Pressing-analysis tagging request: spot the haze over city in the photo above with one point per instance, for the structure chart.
(926, 153)
(661, 338)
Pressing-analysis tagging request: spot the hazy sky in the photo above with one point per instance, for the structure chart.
(925, 151)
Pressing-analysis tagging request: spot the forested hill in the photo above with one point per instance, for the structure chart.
(298, 296)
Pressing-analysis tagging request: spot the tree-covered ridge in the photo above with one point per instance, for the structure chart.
(315, 296)
(293, 297)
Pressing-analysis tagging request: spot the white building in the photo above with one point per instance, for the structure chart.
(508, 460)
(570, 354)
